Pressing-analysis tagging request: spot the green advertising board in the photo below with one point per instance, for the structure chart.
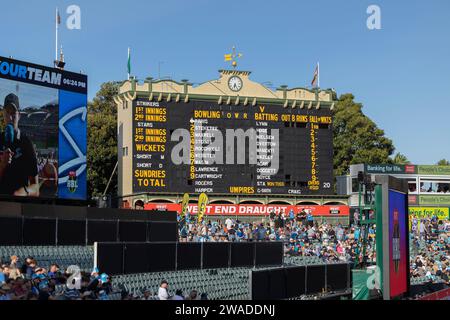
(434, 170)
(434, 200)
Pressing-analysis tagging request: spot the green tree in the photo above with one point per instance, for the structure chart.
(400, 159)
(357, 139)
(102, 140)
(443, 162)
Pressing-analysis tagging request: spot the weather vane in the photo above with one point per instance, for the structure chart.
(233, 57)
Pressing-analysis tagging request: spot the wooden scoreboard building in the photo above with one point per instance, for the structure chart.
(177, 138)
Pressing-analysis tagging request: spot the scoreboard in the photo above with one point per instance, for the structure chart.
(298, 141)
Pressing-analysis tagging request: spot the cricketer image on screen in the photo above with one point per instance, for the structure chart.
(398, 259)
(42, 131)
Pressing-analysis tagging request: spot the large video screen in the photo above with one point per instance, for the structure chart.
(42, 131)
(398, 243)
(200, 146)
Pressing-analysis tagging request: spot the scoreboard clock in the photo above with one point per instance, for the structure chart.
(235, 83)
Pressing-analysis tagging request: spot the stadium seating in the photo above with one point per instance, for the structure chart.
(64, 256)
(219, 284)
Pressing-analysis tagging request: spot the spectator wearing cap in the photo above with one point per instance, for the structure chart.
(163, 293)
(105, 283)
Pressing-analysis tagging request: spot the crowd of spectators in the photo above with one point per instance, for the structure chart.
(301, 233)
(303, 236)
(430, 249)
(29, 281)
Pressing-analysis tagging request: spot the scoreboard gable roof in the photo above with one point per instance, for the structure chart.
(218, 89)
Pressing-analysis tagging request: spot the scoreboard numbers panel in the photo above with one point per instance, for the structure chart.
(304, 147)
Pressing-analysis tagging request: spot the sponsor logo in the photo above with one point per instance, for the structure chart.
(72, 183)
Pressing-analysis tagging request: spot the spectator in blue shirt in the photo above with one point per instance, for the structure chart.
(291, 215)
(54, 271)
(357, 233)
(261, 232)
(3, 278)
(310, 219)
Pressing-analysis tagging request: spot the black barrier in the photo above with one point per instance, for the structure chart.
(161, 256)
(269, 254)
(102, 231)
(102, 214)
(103, 225)
(34, 210)
(10, 231)
(70, 212)
(189, 256)
(31, 210)
(132, 231)
(295, 281)
(135, 258)
(162, 216)
(168, 256)
(337, 277)
(10, 210)
(292, 282)
(242, 254)
(315, 279)
(162, 232)
(260, 285)
(216, 255)
(277, 284)
(110, 258)
(39, 232)
(71, 232)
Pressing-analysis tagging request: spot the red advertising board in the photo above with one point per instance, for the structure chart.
(254, 209)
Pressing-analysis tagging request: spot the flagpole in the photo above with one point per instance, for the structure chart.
(56, 28)
(129, 62)
(318, 74)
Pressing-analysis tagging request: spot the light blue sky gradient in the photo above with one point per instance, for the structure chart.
(400, 73)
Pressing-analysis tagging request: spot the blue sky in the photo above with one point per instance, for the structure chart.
(400, 73)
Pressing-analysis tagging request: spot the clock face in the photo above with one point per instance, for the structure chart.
(235, 83)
